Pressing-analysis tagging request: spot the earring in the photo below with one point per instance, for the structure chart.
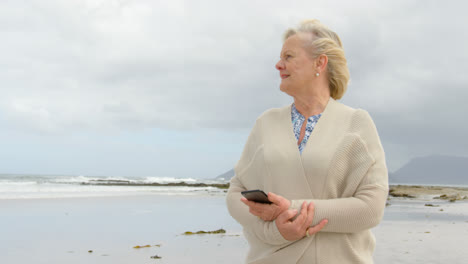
(317, 74)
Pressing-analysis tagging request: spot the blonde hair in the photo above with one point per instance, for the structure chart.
(325, 41)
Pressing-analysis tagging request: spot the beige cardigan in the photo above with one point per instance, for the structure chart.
(342, 170)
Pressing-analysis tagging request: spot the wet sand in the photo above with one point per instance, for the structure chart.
(56, 231)
(64, 230)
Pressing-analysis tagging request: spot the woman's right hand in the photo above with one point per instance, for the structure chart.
(296, 229)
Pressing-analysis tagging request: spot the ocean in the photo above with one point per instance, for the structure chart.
(28, 186)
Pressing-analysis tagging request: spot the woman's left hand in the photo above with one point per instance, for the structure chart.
(268, 212)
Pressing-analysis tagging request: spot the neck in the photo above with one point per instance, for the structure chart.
(311, 105)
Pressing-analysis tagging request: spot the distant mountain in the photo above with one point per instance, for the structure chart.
(391, 177)
(435, 169)
(226, 176)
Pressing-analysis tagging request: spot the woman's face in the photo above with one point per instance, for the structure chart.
(296, 68)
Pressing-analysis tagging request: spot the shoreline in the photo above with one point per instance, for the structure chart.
(395, 190)
(424, 192)
(170, 184)
(226, 185)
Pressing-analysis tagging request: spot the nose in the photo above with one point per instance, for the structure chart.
(279, 65)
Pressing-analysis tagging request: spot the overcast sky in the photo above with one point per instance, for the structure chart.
(172, 88)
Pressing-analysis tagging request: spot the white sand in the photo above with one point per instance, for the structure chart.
(416, 233)
(63, 230)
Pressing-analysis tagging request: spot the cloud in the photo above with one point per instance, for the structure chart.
(94, 65)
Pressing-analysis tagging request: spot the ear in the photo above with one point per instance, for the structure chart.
(321, 63)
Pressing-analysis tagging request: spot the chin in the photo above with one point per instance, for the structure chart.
(284, 89)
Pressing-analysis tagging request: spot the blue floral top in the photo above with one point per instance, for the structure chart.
(297, 120)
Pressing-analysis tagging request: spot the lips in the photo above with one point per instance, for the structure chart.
(284, 76)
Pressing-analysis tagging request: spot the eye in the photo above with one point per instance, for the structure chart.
(286, 57)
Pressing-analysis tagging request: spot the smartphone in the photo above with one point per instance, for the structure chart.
(257, 196)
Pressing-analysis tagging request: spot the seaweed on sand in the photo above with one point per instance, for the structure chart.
(219, 231)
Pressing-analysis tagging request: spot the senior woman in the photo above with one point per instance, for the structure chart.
(321, 163)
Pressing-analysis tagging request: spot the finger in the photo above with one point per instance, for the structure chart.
(244, 200)
(258, 206)
(302, 216)
(276, 199)
(318, 227)
(310, 215)
(286, 215)
(253, 205)
(254, 212)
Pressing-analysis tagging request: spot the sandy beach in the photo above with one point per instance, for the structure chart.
(414, 230)
(423, 229)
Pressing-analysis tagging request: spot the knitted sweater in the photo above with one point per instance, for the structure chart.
(342, 170)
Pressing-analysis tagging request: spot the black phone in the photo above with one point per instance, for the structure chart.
(257, 196)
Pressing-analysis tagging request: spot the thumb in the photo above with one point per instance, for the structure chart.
(274, 198)
(287, 215)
